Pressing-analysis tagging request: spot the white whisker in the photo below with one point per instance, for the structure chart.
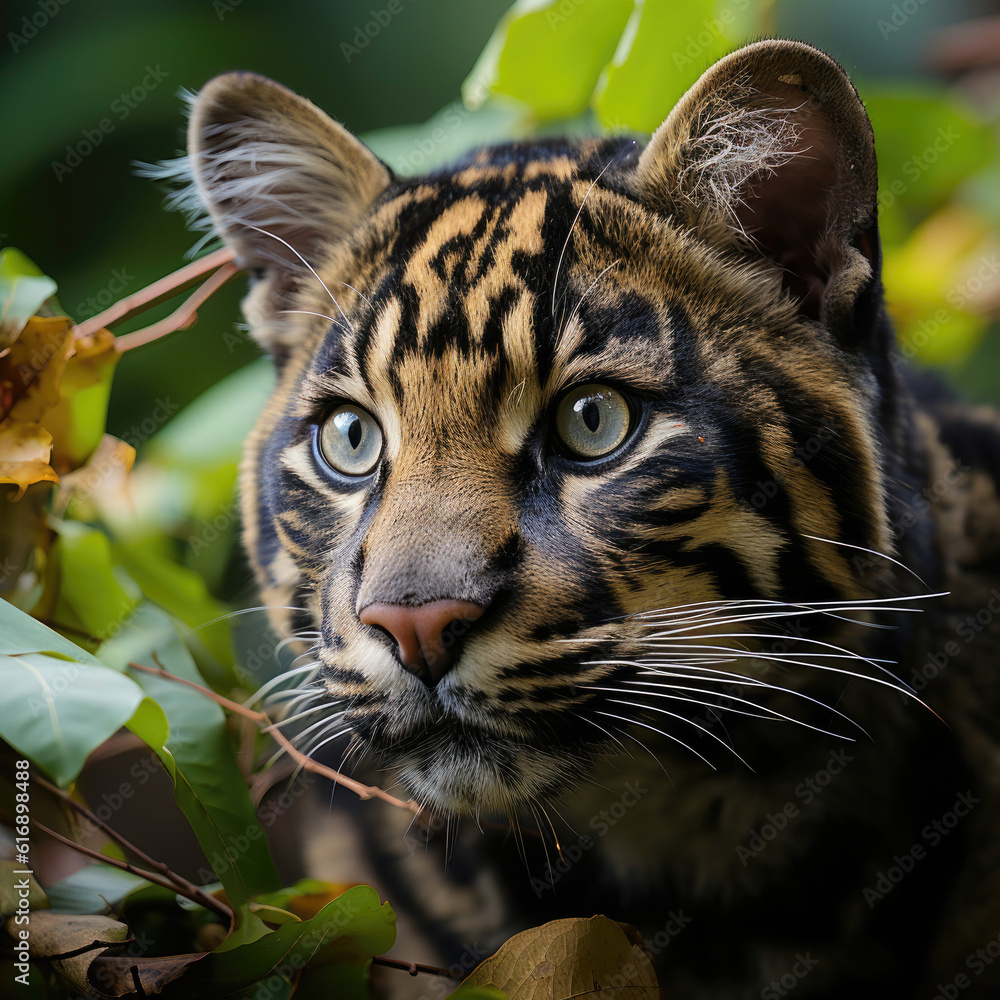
(576, 219)
(636, 722)
(307, 264)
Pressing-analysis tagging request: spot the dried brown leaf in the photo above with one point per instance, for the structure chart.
(31, 371)
(577, 957)
(24, 455)
(54, 934)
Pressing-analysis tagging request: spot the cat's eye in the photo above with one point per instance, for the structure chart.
(350, 440)
(592, 421)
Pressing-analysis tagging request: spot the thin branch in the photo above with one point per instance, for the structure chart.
(414, 967)
(216, 905)
(184, 887)
(181, 318)
(360, 789)
(153, 294)
(84, 948)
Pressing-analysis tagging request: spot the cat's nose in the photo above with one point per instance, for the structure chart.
(427, 634)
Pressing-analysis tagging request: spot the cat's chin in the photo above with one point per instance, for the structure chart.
(472, 772)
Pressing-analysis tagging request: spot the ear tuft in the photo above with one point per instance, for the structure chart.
(263, 158)
(771, 154)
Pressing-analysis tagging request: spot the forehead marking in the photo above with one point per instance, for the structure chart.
(431, 293)
(523, 235)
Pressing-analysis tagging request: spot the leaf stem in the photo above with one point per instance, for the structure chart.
(153, 294)
(182, 317)
(174, 883)
(186, 888)
(360, 789)
(413, 967)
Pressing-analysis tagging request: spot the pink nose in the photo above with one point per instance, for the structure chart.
(427, 634)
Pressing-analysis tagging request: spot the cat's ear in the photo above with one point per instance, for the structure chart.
(771, 153)
(280, 182)
(263, 158)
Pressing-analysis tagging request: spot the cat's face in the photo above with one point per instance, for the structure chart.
(526, 402)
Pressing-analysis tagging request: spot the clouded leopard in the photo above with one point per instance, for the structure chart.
(593, 472)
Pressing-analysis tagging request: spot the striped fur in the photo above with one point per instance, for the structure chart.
(725, 279)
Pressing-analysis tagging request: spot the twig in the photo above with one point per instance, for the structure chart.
(360, 789)
(84, 948)
(184, 887)
(216, 905)
(153, 294)
(181, 318)
(414, 967)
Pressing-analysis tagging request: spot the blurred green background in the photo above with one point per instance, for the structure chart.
(105, 75)
(100, 230)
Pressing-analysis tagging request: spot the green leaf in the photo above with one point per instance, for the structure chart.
(10, 897)
(56, 709)
(88, 582)
(23, 289)
(549, 54)
(344, 935)
(927, 140)
(664, 49)
(20, 633)
(210, 431)
(178, 590)
(928, 143)
(92, 888)
(78, 422)
(208, 786)
(450, 133)
(470, 992)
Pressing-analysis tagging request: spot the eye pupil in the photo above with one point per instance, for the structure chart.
(354, 433)
(592, 420)
(350, 440)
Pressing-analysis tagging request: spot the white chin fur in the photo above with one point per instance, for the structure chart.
(461, 781)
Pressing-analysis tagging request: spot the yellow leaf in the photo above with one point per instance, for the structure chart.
(100, 479)
(31, 371)
(24, 455)
(942, 283)
(576, 957)
(78, 420)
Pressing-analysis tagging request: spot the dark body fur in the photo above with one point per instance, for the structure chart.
(665, 629)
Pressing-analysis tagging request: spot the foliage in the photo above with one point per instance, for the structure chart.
(110, 565)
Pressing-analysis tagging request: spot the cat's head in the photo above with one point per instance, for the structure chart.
(560, 385)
